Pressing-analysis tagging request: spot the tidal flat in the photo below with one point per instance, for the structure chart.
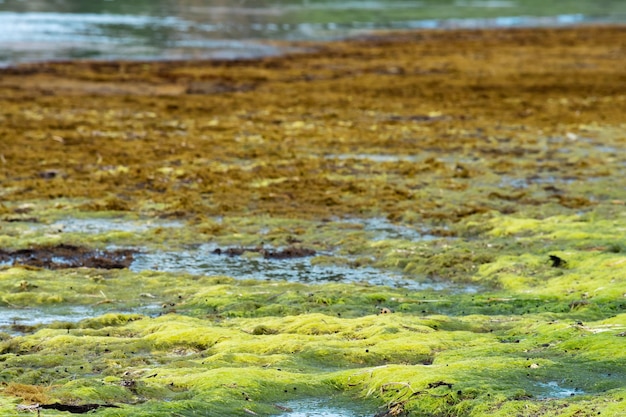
(425, 223)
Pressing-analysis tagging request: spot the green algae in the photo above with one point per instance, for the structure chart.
(469, 183)
(531, 325)
(508, 357)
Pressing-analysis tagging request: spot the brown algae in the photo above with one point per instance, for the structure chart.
(468, 158)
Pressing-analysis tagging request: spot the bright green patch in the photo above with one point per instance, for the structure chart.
(485, 193)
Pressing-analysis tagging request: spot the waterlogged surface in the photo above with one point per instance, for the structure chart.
(523, 187)
(202, 261)
(321, 267)
(384, 229)
(37, 30)
(323, 408)
(15, 321)
(553, 389)
(380, 228)
(102, 225)
(10, 318)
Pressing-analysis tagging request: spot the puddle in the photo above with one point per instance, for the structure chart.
(384, 229)
(283, 264)
(15, 321)
(292, 264)
(608, 149)
(522, 183)
(204, 261)
(552, 390)
(376, 157)
(378, 225)
(105, 225)
(92, 225)
(322, 408)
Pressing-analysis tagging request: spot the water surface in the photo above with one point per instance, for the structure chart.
(37, 30)
(202, 261)
(317, 407)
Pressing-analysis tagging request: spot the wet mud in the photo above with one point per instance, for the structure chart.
(75, 409)
(68, 256)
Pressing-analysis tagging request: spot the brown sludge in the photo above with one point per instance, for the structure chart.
(279, 136)
(68, 256)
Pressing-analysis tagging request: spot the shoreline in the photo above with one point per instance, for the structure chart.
(258, 48)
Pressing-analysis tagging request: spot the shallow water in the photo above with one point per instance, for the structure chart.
(202, 261)
(316, 407)
(381, 227)
(552, 389)
(384, 229)
(377, 157)
(15, 321)
(11, 318)
(104, 225)
(168, 29)
(89, 225)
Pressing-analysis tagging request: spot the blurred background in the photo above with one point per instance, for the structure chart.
(38, 30)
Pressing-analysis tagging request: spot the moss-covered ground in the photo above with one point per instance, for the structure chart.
(489, 162)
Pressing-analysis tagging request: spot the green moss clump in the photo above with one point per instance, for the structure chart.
(491, 207)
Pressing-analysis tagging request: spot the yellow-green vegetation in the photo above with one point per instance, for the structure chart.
(485, 166)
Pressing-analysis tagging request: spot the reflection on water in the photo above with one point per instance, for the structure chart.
(172, 29)
(316, 407)
(105, 225)
(31, 316)
(202, 261)
(14, 320)
(49, 36)
(552, 389)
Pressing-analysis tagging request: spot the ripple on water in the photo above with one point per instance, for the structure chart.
(316, 407)
(201, 260)
(552, 389)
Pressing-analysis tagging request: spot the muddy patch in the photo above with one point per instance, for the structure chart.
(68, 256)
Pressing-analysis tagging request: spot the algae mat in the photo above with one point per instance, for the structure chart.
(487, 167)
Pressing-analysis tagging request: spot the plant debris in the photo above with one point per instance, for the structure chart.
(506, 144)
(68, 256)
(557, 262)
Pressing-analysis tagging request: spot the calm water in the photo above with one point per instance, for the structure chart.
(36, 30)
